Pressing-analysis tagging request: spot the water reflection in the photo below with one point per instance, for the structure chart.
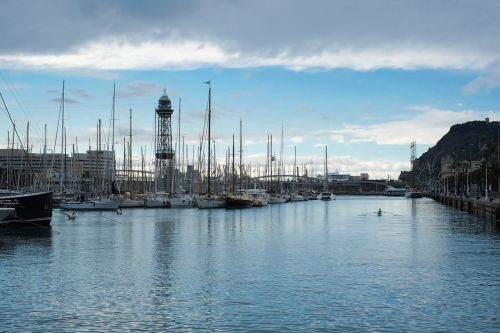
(19, 236)
(307, 266)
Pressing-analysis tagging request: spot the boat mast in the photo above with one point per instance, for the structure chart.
(233, 182)
(113, 171)
(44, 155)
(326, 168)
(178, 149)
(271, 151)
(281, 171)
(209, 134)
(295, 179)
(130, 172)
(63, 169)
(155, 186)
(241, 155)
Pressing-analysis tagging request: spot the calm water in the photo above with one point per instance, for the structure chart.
(310, 266)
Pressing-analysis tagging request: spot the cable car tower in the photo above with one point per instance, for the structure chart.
(164, 155)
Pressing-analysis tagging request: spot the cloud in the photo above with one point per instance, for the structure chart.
(134, 89)
(426, 126)
(310, 111)
(482, 83)
(15, 86)
(66, 100)
(346, 164)
(297, 139)
(79, 92)
(117, 35)
(121, 54)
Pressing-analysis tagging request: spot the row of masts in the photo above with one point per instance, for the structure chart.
(108, 178)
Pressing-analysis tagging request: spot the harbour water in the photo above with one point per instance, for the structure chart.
(306, 266)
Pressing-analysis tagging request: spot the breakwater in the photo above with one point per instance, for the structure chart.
(487, 210)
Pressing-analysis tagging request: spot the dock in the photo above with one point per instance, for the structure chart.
(487, 210)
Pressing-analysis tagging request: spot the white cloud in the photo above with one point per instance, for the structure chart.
(297, 139)
(120, 54)
(482, 83)
(426, 126)
(378, 168)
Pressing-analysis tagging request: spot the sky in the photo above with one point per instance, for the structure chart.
(364, 78)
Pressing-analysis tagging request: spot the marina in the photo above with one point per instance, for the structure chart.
(250, 166)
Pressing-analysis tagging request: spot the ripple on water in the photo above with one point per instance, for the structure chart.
(311, 266)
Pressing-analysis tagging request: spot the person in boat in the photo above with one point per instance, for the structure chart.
(379, 212)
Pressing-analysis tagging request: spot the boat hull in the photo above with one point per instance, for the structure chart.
(210, 202)
(413, 195)
(326, 196)
(182, 202)
(90, 205)
(297, 198)
(30, 208)
(157, 203)
(276, 200)
(234, 202)
(5, 212)
(132, 203)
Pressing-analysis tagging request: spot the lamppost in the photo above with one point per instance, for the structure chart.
(486, 182)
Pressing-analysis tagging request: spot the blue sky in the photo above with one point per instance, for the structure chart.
(365, 87)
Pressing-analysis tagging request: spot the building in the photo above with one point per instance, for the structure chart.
(79, 171)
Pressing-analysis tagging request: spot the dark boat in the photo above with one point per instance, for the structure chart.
(238, 201)
(31, 209)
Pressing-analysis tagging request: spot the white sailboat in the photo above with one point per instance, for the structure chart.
(209, 200)
(294, 197)
(96, 204)
(326, 195)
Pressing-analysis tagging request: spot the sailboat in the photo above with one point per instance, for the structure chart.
(179, 200)
(30, 208)
(325, 194)
(97, 202)
(209, 200)
(294, 197)
(276, 198)
(239, 199)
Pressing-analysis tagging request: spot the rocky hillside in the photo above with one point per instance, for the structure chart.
(468, 141)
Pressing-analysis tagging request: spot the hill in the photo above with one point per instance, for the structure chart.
(473, 140)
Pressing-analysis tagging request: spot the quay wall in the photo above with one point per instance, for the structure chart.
(486, 210)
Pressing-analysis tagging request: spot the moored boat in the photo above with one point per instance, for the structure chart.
(85, 204)
(34, 208)
(239, 201)
(326, 196)
(5, 212)
(413, 194)
(132, 203)
(157, 202)
(297, 197)
(210, 201)
(183, 201)
(277, 199)
(260, 197)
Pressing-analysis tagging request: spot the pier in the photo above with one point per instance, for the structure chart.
(487, 210)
